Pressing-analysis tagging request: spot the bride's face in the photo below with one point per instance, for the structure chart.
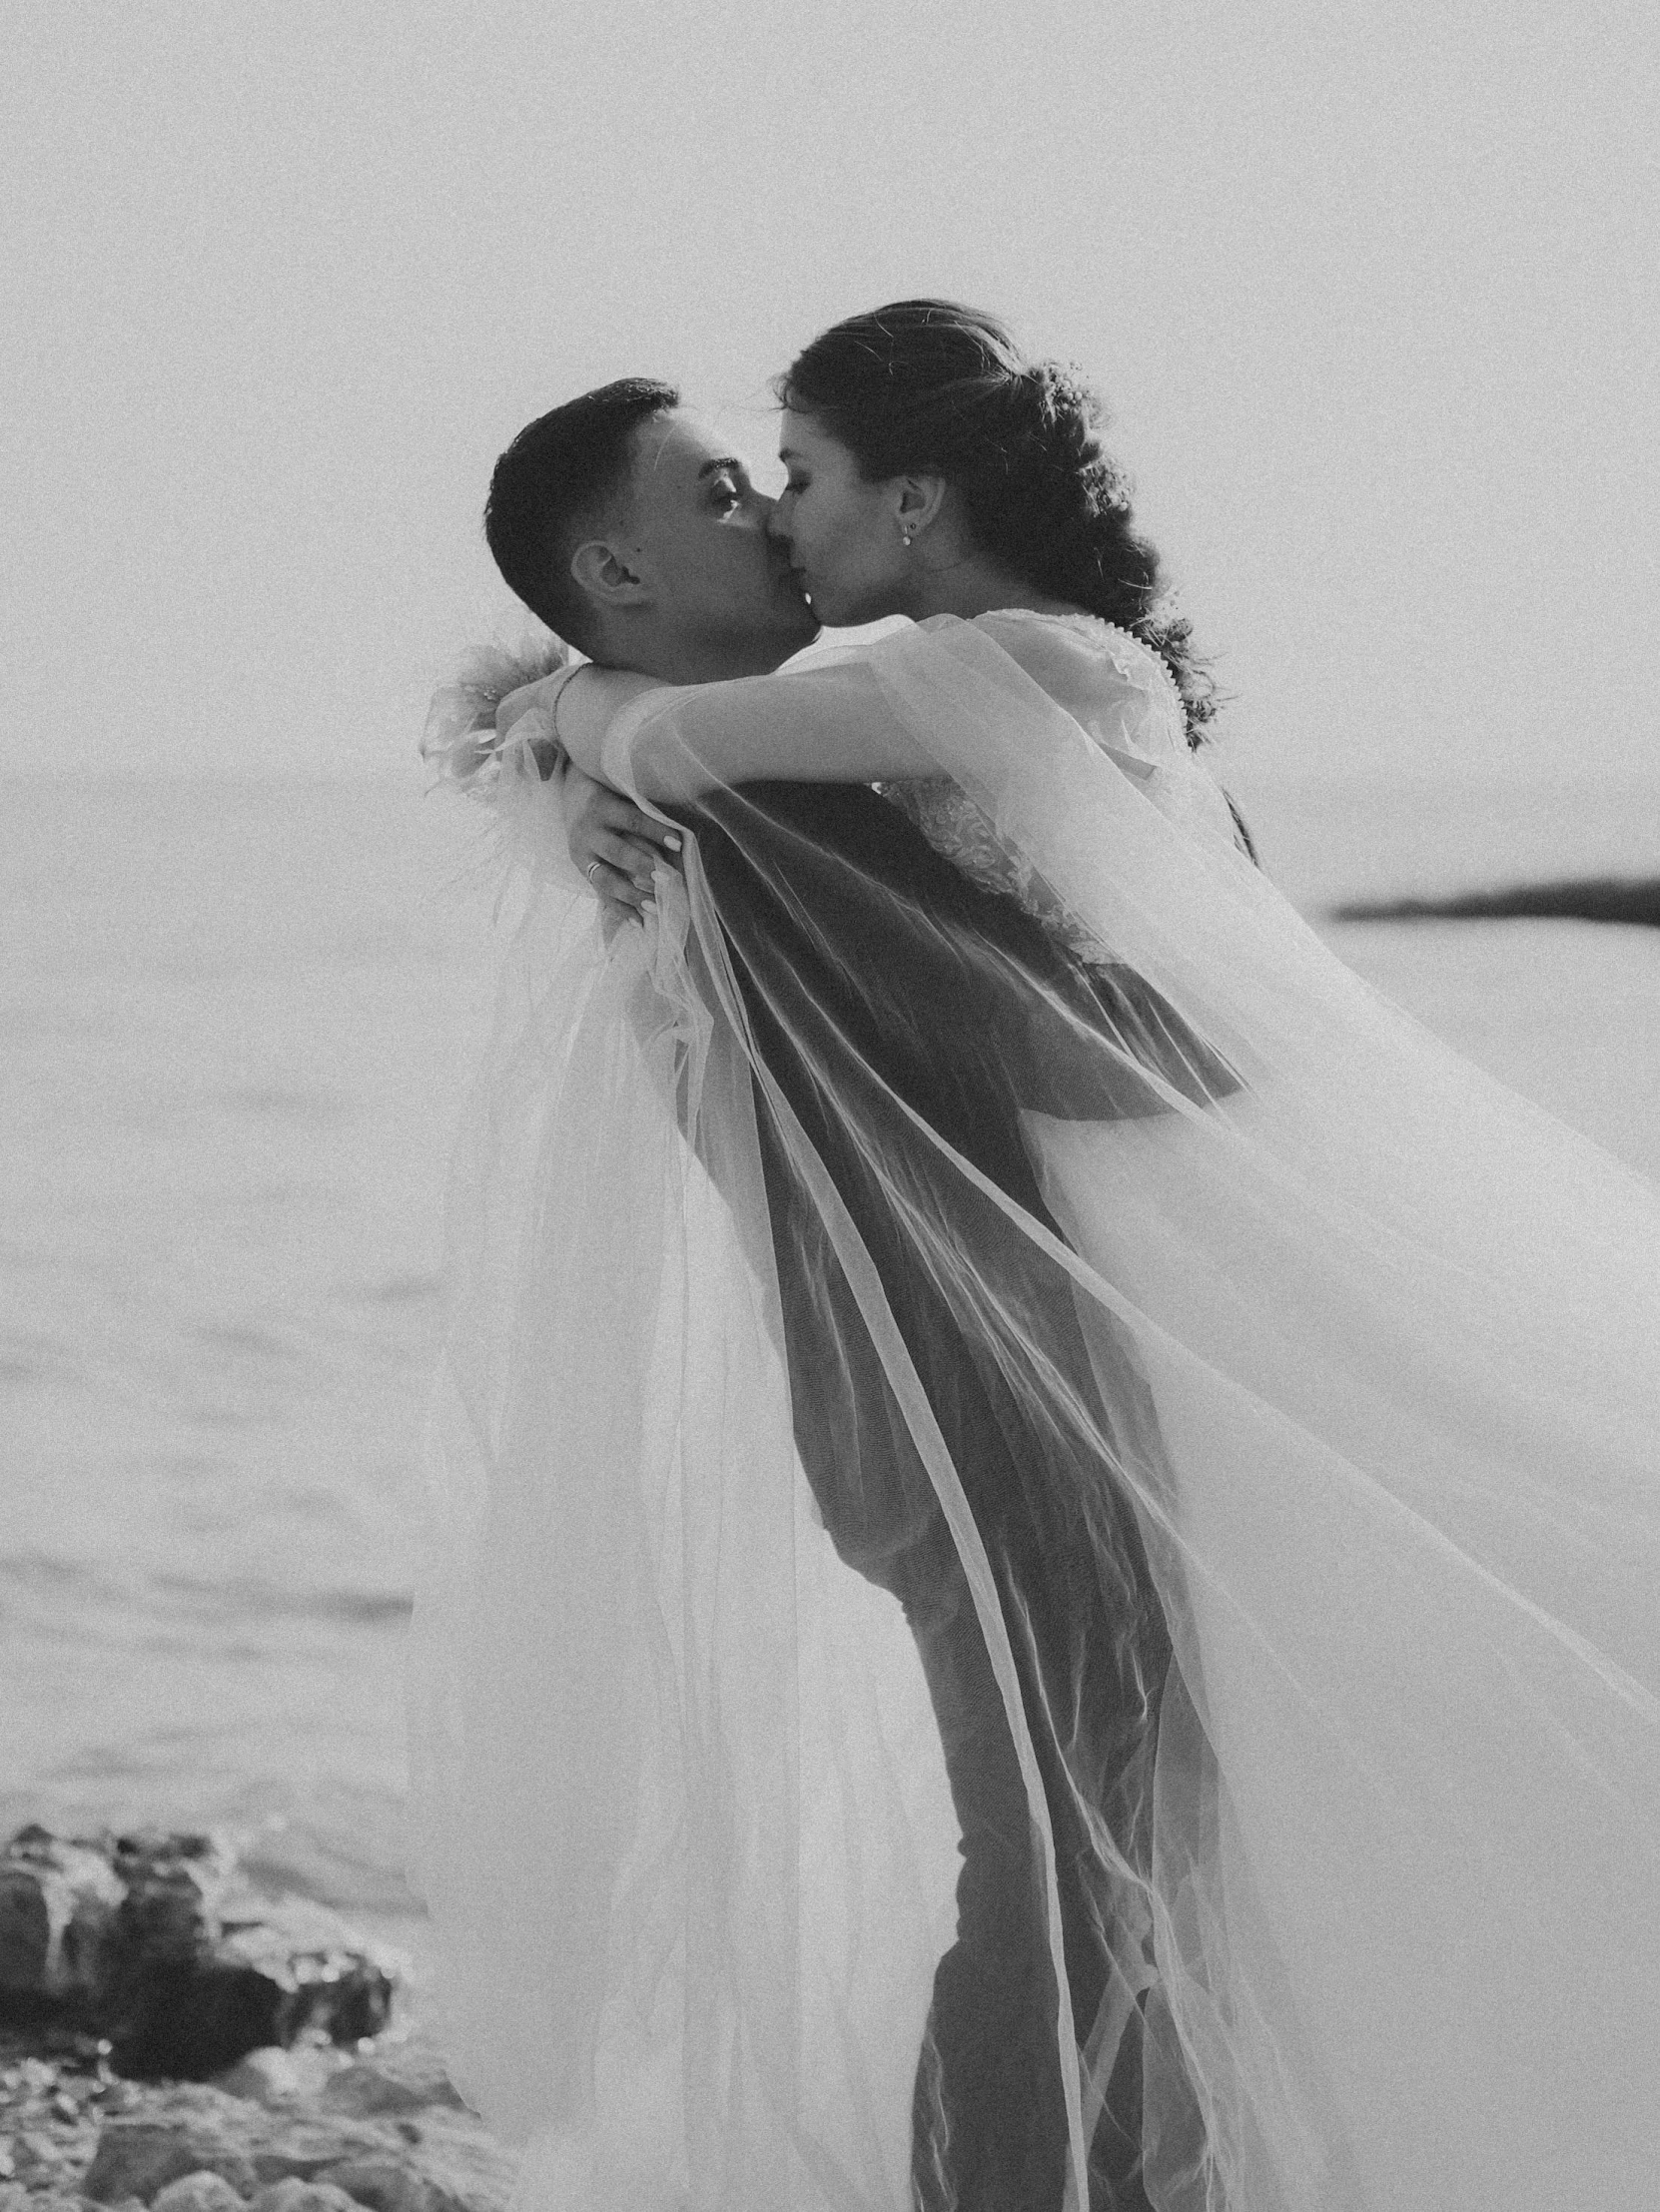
(844, 534)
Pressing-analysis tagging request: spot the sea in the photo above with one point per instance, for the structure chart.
(237, 1025)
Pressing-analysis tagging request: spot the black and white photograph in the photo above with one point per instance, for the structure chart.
(829, 1106)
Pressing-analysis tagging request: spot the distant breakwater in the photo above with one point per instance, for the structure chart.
(1594, 899)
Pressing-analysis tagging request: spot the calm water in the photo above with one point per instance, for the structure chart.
(239, 1021)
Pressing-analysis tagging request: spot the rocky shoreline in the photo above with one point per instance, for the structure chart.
(1634, 901)
(170, 2040)
(311, 2129)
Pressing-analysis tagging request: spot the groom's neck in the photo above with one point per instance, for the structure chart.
(679, 659)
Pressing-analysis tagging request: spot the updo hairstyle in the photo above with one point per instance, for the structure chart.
(926, 387)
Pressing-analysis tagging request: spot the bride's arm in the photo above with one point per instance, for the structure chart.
(827, 723)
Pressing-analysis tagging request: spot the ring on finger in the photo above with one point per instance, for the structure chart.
(588, 870)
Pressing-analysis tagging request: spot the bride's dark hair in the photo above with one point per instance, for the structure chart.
(927, 385)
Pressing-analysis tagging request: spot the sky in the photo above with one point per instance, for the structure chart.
(1372, 294)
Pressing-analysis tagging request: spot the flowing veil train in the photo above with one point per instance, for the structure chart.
(1352, 1352)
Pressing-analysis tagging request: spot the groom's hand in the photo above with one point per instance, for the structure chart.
(614, 844)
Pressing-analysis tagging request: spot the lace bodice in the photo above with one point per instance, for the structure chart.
(1151, 733)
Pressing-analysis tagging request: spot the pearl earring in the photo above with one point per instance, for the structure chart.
(905, 537)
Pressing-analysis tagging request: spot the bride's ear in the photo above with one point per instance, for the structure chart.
(920, 501)
(606, 577)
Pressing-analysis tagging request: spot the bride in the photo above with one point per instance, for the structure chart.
(1291, 1448)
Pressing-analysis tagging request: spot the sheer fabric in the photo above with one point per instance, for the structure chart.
(1044, 1538)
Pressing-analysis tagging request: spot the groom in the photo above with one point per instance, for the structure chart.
(629, 528)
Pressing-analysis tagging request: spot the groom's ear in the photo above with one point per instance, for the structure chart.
(605, 577)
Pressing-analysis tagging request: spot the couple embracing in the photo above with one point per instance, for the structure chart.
(1035, 1600)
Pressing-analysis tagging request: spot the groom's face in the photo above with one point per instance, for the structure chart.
(696, 535)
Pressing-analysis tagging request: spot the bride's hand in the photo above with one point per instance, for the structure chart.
(615, 844)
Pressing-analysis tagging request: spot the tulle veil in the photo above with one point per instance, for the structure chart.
(1364, 1371)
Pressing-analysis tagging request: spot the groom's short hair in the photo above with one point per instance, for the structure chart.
(552, 488)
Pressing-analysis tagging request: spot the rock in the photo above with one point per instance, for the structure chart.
(175, 1889)
(30, 2076)
(40, 2159)
(325, 1977)
(136, 2157)
(150, 1943)
(467, 2168)
(58, 1907)
(263, 1983)
(406, 2080)
(165, 1933)
(197, 2192)
(302, 2196)
(266, 2077)
(384, 2184)
(1598, 898)
(194, 2019)
(307, 2149)
(186, 2019)
(193, 2103)
(276, 2078)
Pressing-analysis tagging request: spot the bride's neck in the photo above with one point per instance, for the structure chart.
(971, 584)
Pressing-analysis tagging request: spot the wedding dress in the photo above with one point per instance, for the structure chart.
(1343, 1357)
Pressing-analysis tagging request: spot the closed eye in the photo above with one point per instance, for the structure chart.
(728, 485)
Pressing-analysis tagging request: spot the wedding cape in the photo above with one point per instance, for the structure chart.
(1376, 1363)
